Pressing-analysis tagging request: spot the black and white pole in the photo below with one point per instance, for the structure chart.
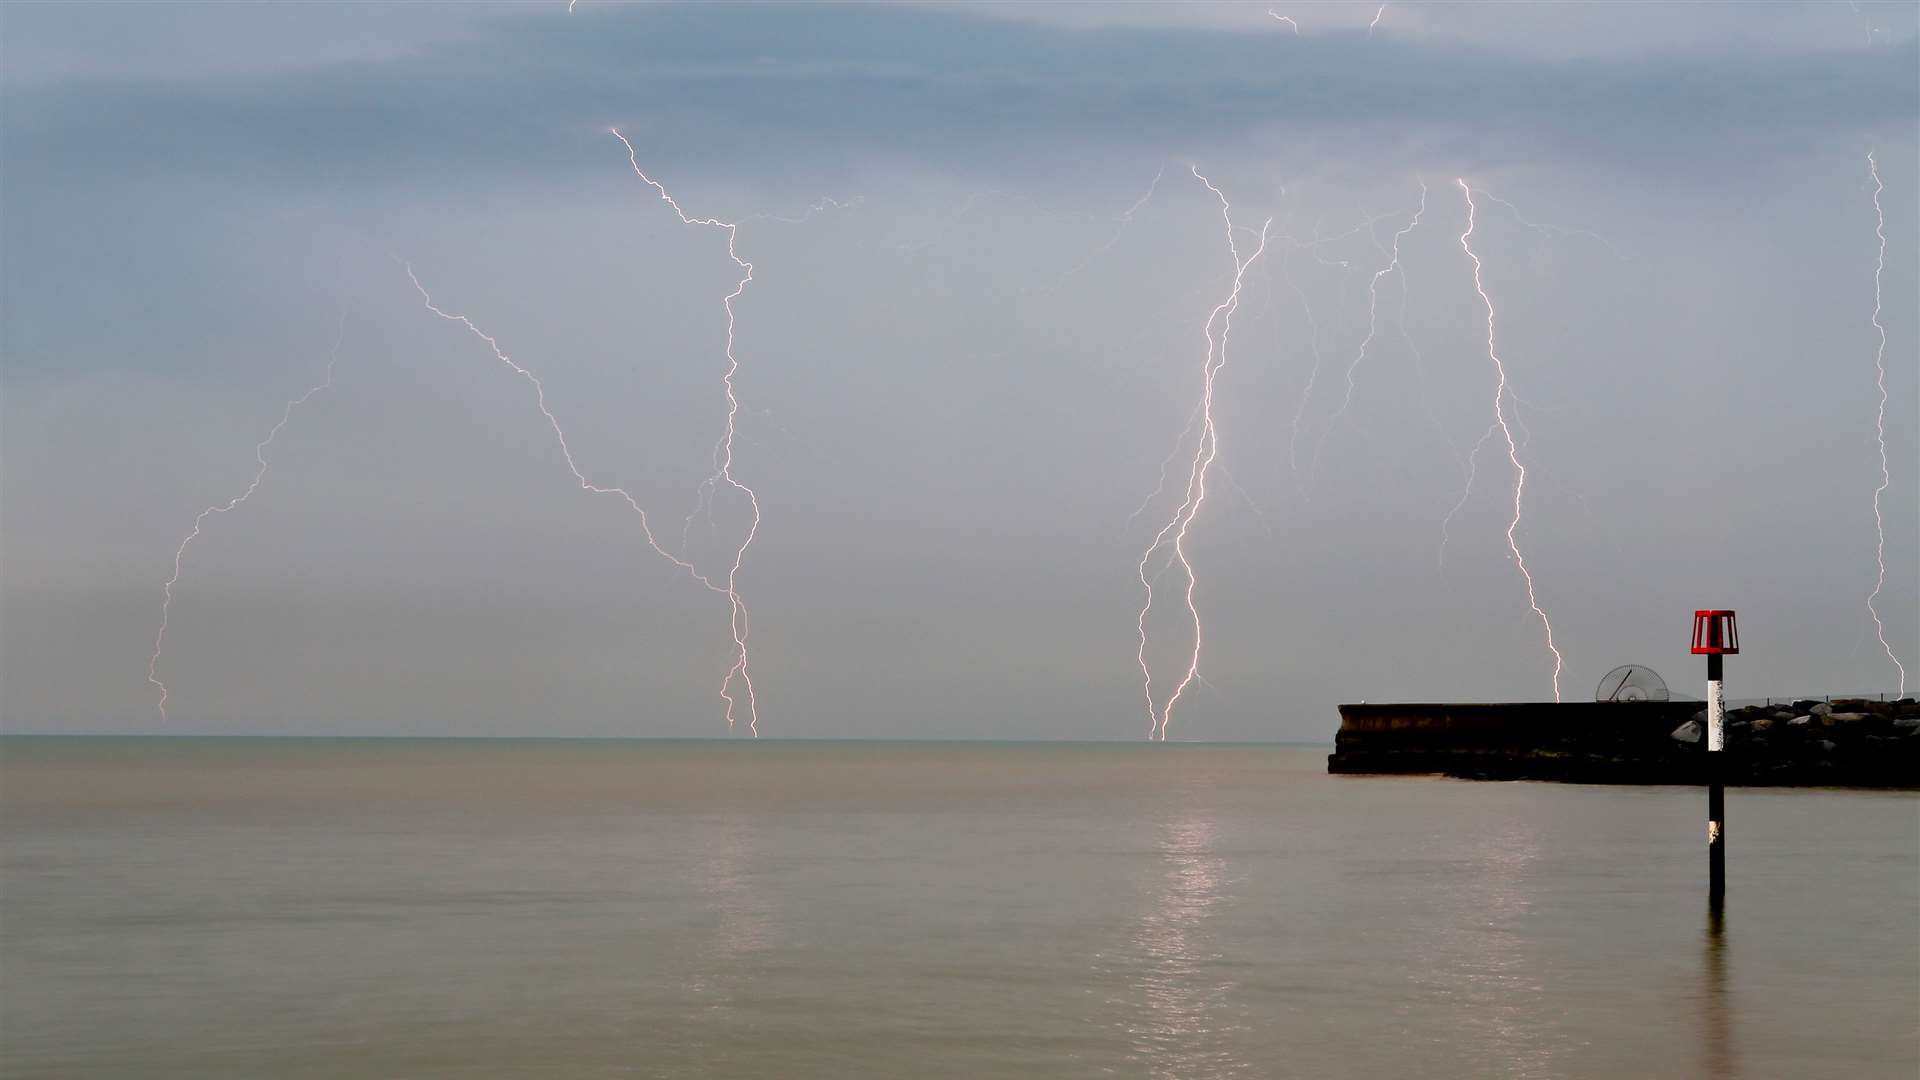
(1716, 635)
(1716, 783)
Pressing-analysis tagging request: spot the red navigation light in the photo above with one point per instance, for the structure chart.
(1715, 633)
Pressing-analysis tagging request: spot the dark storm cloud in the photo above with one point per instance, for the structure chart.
(815, 88)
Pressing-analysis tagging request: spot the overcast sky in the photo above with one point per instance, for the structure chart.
(959, 378)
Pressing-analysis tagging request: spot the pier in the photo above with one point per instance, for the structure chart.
(1839, 743)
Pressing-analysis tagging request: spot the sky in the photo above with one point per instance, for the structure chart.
(984, 262)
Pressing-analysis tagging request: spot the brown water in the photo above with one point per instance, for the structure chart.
(389, 908)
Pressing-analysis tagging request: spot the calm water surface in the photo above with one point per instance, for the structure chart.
(443, 908)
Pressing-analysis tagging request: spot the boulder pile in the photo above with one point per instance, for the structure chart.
(1843, 741)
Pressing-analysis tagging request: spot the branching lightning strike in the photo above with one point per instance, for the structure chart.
(1373, 309)
(566, 452)
(723, 465)
(1865, 21)
(1466, 491)
(199, 521)
(1469, 466)
(1552, 231)
(1500, 395)
(1880, 423)
(1312, 247)
(1120, 224)
(559, 433)
(1313, 373)
(1172, 537)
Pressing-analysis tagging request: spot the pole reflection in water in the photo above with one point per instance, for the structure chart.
(1720, 1057)
(1179, 977)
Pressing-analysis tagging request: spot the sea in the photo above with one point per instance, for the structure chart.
(186, 907)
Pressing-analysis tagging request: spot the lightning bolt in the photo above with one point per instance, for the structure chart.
(1119, 223)
(566, 453)
(1500, 394)
(1376, 20)
(1470, 465)
(1552, 231)
(1313, 374)
(1312, 247)
(559, 433)
(1880, 423)
(1466, 492)
(1866, 22)
(1166, 469)
(703, 493)
(1373, 307)
(1172, 537)
(723, 456)
(1426, 393)
(199, 521)
(1288, 19)
(806, 215)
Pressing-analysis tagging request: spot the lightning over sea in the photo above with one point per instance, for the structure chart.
(736, 686)
(723, 459)
(566, 451)
(448, 761)
(1170, 542)
(1392, 266)
(1468, 462)
(1502, 395)
(736, 689)
(1880, 423)
(200, 520)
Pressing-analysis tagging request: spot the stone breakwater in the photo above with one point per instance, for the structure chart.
(1845, 742)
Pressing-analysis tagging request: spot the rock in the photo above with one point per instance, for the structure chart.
(1910, 722)
(1845, 718)
(1820, 709)
(1783, 716)
(1804, 705)
(1688, 732)
(1800, 721)
(1826, 746)
(1766, 723)
(1700, 717)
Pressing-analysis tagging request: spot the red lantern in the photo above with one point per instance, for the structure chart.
(1715, 633)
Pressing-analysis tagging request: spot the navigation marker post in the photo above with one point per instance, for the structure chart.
(1715, 635)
